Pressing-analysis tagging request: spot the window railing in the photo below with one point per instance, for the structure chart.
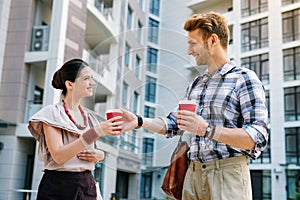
(288, 2)
(31, 109)
(252, 11)
(103, 8)
(289, 37)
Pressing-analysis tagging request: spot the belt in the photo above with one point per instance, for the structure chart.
(217, 164)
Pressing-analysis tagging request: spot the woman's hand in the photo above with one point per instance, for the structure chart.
(91, 155)
(112, 126)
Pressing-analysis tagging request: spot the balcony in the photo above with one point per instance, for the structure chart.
(100, 31)
(102, 74)
(220, 6)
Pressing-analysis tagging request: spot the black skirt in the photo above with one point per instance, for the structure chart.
(61, 185)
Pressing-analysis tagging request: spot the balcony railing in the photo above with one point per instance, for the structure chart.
(98, 63)
(102, 7)
(31, 109)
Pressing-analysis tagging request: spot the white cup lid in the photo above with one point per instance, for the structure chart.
(113, 110)
(192, 101)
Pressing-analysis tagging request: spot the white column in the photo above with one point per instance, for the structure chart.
(276, 101)
(56, 50)
(4, 18)
(55, 59)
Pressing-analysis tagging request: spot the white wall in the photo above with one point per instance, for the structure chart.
(4, 14)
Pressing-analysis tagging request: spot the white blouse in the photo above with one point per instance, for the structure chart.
(55, 115)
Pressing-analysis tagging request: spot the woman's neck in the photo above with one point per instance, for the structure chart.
(72, 103)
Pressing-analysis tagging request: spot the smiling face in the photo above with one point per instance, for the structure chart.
(84, 84)
(198, 48)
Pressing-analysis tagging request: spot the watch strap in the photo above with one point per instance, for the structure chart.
(140, 122)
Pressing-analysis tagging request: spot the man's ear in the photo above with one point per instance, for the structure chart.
(213, 40)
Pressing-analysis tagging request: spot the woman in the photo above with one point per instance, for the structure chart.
(67, 133)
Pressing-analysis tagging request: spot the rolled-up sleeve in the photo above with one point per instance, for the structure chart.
(254, 110)
(171, 125)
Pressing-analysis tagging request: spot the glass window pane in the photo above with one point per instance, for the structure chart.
(151, 59)
(124, 94)
(129, 17)
(297, 63)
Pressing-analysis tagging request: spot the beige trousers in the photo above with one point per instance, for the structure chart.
(226, 179)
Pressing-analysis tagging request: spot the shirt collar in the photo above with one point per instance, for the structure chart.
(223, 70)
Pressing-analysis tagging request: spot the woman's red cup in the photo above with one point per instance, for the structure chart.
(189, 105)
(114, 113)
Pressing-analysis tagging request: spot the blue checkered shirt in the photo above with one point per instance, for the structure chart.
(232, 97)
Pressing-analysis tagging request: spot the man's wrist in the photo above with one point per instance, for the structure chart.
(210, 131)
(207, 131)
(139, 122)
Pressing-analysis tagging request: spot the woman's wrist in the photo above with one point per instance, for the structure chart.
(99, 130)
(91, 135)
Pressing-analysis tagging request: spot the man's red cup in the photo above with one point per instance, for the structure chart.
(114, 113)
(189, 105)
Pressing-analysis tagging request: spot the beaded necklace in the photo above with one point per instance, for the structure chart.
(80, 127)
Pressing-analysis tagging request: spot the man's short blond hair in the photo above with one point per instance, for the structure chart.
(209, 23)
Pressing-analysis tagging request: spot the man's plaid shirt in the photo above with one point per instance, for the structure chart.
(232, 97)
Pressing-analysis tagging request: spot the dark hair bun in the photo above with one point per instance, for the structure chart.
(56, 80)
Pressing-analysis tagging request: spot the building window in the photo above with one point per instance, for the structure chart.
(291, 63)
(290, 25)
(137, 66)
(288, 2)
(250, 7)
(230, 27)
(150, 93)
(124, 94)
(147, 151)
(151, 59)
(292, 146)
(265, 156)
(134, 141)
(146, 185)
(129, 18)
(38, 95)
(149, 111)
(135, 102)
(153, 31)
(267, 93)
(293, 184)
(255, 35)
(292, 103)
(260, 65)
(127, 55)
(99, 175)
(154, 7)
(141, 3)
(261, 184)
(139, 31)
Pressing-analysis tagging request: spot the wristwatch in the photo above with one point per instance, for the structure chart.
(208, 130)
(140, 122)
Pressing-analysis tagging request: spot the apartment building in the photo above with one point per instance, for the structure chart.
(264, 38)
(37, 37)
(138, 52)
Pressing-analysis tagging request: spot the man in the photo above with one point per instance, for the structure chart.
(230, 123)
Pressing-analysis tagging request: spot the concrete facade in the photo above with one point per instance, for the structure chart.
(98, 32)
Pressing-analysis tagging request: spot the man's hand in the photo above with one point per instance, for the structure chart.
(191, 122)
(130, 120)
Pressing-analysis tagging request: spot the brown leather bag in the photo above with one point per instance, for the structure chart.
(174, 178)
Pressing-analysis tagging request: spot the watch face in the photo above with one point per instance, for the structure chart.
(208, 129)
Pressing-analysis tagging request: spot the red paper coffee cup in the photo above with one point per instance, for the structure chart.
(189, 105)
(114, 113)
